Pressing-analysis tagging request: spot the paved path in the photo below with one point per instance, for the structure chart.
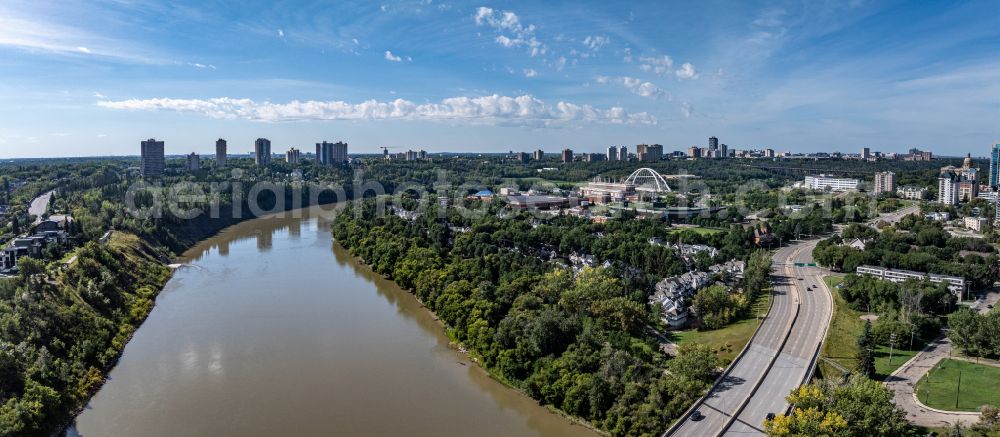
(733, 402)
(903, 381)
(39, 205)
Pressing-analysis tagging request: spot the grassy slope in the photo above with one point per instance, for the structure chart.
(728, 341)
(938, 389)
(841, 340)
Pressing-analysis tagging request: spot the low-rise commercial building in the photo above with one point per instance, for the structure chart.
(956, 285)
(976, 223)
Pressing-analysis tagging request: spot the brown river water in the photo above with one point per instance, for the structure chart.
(270, 329)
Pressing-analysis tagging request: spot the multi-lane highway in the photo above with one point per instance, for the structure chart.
(777, 359)
(795, 362)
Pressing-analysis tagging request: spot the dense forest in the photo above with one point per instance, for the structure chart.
(917, 244)
(576, 339)
(62, 327)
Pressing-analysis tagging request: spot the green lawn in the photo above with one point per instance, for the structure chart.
(883, 367)
(699, 230)
(842, 339)
(728, 341)
(939, 388)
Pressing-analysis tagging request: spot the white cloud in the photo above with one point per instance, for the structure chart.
(202, 66)
(686, 71)
(595, 43)
(99, 95)
(281, 33)
(510, 31)
(492, 109)
(687, 109)
(40, 34)
(530, 72)
(658, 64)
(391, 57)
(635, 86)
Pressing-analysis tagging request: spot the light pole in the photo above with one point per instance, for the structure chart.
(892, 343)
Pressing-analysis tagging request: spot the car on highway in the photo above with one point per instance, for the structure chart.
(696, 416)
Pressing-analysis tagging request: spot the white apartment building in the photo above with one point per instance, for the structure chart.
(912, 193)
(827, 182)
(948, 190)
(956, 285)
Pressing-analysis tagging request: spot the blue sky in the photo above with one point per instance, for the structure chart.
(81, 78)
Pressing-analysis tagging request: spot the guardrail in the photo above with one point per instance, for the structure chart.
(814, 362)
(770, 364)
(725, 373)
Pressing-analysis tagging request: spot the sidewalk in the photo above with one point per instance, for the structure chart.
(903, 381)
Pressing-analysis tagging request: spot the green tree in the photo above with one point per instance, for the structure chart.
(866, 352)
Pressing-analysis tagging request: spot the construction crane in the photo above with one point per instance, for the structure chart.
(385, 151)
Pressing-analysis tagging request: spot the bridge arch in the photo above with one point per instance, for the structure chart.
(648, 179)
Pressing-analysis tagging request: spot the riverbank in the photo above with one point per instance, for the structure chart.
(459, 347)
(276, 326)
(194, 232)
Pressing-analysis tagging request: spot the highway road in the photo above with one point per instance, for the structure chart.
(771, 362)
(794, 364)
(39, 205)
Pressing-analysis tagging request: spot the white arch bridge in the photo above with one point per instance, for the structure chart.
(647, 179)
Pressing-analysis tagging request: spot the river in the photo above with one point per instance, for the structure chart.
(272, 329)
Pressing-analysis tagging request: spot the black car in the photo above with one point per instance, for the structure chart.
(770, 416)
(696, 416)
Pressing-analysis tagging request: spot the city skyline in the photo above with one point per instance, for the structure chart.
(493, 77)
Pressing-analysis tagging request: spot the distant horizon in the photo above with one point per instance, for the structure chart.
(549, 153)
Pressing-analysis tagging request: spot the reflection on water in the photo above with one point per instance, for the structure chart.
(281, 332)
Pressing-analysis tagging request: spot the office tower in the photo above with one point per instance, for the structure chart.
(539, 154)
(948, 188)
(334, 153)
(293, 156)
(612, 153)
(885, 182)
(649, 152)
(769, 153)
(521, 157)
(866, 153)
(220, 153)
(151, 156)
(995, 166)
(567, 155)
(423, 155)
(262, 152)
(694, 152)
(193, 162)
(623, 153)
(713, 143)
(723, 151)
